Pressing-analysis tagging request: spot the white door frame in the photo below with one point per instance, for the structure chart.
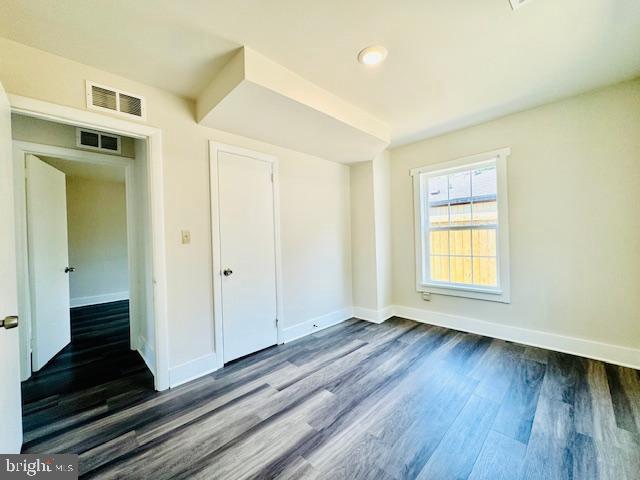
(153, 136)
(214, 149)
(20, 149)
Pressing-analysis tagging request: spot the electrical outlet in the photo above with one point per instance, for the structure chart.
(186, 237)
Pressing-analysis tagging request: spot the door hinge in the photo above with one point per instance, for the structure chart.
(276, 322)
(271, 177)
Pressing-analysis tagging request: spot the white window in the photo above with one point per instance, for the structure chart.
(461, 227)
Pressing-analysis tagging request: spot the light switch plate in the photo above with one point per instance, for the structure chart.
(186, 237)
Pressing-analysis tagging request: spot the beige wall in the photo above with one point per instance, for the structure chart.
(574, 193)
(371, 236)
(316, 237)
(363, 236)
(314, 195)
(381, 165)
(30, 129)
(97, 226)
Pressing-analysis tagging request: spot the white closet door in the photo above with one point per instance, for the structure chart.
(247, 248)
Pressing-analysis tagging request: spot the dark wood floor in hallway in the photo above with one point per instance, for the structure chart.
(89, 378)
(396, 400)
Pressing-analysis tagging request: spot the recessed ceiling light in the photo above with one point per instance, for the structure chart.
(515, 4)
(372, 55)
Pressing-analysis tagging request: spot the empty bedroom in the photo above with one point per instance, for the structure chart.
(298, 239)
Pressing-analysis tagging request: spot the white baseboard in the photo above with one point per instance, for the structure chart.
(624, 356)
(209, 363)
(373, 316)
(147, 352)
(316, 324)
(193, 369)
(97, 299)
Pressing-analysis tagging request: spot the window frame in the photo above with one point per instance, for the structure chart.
(424, 284)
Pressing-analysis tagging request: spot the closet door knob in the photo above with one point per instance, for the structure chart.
(227, 272)
(9, 322)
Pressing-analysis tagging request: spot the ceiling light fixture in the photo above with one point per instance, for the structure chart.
(372, 55)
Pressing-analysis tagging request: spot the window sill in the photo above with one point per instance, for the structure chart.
(501, 296)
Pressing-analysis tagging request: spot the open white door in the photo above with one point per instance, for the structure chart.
(10, 404)
(248, 254)
(48, 260)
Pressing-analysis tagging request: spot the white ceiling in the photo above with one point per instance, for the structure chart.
(106, 173)
(450, 63)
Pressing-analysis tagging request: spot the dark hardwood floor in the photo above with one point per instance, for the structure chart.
(94, 374)
(396, 400)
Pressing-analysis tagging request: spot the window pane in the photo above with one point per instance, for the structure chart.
(484, 242)
(461, 214)
(438, 201)
(439, 242)
(460, 187)
(485, 213)
(460, 242)
(439, 216)
(485, 272)
(461, 270)
(484, 183)
(460, 197)
(438, 192)
(484, 187)
(439, 268)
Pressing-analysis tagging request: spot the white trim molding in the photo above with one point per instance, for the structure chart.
(20, 149)
(606, 352)
(193, 369)
(316, 324)
(98, 299)
(422, 225)
(153, 136)
(146, 351)
(373, 316)
(209, 363)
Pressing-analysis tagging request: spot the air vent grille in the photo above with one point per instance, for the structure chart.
(100, 97)
(130, 105)
(98, 140)
(104, 98)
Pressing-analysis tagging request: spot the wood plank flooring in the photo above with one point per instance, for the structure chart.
(390, 401)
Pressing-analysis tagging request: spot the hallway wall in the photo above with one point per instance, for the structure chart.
(97, 225)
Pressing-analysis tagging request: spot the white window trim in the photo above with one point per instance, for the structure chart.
(503, 292)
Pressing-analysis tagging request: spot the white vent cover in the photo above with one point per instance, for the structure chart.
(100, 97)
(515, 4)
(105, 142)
